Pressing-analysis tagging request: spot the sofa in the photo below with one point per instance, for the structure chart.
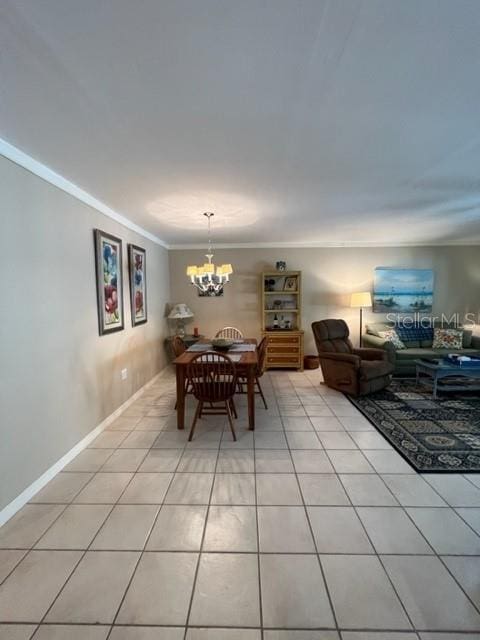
(421, 347)
(352, 371)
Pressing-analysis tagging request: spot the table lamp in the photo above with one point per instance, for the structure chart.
(361, 301)
(180, 312)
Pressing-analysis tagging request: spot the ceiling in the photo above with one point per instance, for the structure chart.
(310, 122)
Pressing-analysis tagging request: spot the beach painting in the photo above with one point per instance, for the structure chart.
(402, 290)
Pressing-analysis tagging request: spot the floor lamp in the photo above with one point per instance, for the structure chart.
(361, 301)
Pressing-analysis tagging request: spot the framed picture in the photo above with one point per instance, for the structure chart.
(290, 283)
(138, 284)
(402, 290)
(108, 262)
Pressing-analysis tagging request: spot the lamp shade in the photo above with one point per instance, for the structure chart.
(363, 299)
(180, 311)
(208, 267)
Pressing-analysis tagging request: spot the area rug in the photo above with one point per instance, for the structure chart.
(441, 435)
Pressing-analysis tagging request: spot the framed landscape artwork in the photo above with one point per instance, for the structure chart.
(108, 262)
(402, 290)
(138, 284)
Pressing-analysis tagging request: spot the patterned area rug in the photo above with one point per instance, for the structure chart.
(440, 435)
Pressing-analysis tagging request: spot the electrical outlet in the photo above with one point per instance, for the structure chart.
(124, 374)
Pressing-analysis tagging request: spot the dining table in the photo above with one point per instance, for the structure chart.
(245, 364)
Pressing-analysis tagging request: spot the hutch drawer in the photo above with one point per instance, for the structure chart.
(283, 339)
(283, 360)
(280, 348)
(284, 350)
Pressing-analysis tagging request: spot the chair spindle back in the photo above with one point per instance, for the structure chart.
(213, 377)
(229, 332)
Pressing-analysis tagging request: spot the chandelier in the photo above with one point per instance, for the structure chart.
(209, 279)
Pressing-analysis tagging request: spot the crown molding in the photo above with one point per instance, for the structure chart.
(45, 173)
(19, 157)
(323, 245)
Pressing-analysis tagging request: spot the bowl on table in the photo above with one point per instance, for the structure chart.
(222, 344)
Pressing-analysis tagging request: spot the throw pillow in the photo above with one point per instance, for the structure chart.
(374, 327)
(414, 333)
(447, 339)
(392, 336)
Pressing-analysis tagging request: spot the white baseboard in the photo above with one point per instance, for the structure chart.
(11, 509)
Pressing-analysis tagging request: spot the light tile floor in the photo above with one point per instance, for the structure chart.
(312, 528)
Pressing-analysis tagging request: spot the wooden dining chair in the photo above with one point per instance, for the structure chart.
(214, 380)
(259, 370)
(229, 332)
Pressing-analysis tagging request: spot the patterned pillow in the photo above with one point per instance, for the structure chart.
(392, 336)
(447, 339)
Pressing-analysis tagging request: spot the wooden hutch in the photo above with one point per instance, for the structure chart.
(282, 318)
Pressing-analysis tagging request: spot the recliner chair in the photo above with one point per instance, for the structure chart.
(353, 371)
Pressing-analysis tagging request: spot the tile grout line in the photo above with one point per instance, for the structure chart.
(292, 553)
(66, 506)
(305, 510)
(409, 517)
(215, 475)
(440, 556)
(84, 553)
(435, 553)
(368, 537)
(113, 505)
(142, 551)
(404, 508)
(202, 540)
(453, 508)
(37, 624)
(258, 530)
(5, 578)
(377, 555)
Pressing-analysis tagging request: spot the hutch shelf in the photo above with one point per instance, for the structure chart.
(282, 319)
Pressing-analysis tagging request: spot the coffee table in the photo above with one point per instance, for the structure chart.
(464, 375)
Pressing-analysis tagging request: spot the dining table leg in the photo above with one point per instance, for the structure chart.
(251, 397)
(180, 397)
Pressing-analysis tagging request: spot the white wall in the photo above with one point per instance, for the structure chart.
(58, 378)
(329, 276)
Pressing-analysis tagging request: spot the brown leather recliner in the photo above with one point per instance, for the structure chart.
(353, 371)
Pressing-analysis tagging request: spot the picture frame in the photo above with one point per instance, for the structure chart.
(290, 283)
(137, 271)
(403, 290)
(109, 282)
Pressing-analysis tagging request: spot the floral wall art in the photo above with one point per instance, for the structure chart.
(138, 284)
(108, 262)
